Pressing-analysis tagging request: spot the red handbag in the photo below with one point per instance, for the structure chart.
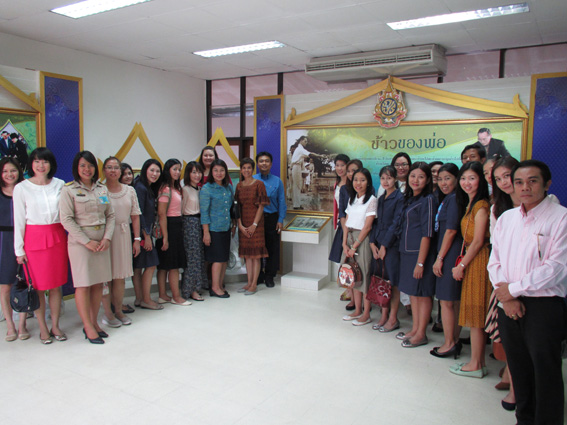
(380, 289)
(350, 275)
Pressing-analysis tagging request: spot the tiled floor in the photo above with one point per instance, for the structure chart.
(281, 356)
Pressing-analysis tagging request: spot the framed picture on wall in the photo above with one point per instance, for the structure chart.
(307, 223)
(19, 132)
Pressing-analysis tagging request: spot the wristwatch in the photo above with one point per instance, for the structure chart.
(420, 264)
(138, 239)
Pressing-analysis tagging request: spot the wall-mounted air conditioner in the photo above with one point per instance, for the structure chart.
(408, 61)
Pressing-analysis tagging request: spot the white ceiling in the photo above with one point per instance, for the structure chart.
(162, 33)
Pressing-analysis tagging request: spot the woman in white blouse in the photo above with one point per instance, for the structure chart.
(360, 214)
(39, 237)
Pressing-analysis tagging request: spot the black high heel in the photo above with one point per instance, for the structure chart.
(455, 351)
(102, 334)
(98, 340)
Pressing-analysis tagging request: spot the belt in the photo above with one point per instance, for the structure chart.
(192, 215)
(97, 227)
(270, 213)
(6, 228)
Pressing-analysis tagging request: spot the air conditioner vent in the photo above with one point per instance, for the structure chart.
(419, 60)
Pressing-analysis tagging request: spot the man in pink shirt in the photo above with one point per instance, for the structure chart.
(528, 268)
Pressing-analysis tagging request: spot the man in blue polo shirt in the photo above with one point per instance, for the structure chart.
(274, 215)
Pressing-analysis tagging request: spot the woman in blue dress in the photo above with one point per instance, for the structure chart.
(449, 243)
(385, 245)
(417, 254)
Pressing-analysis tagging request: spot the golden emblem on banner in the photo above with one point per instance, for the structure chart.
(390, 109)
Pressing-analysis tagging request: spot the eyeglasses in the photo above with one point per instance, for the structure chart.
(404, 165)
(111, 168)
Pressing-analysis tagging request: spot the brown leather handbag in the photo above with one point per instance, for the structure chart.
(350, 275)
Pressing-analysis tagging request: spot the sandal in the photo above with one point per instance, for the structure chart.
(200, 298)
(145, 306)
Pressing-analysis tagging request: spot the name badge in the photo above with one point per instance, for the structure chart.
(103, 199)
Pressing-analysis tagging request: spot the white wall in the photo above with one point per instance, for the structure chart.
(419, 109)
(117, 94)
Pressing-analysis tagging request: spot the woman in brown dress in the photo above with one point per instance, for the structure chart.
(251, 197)
(472, 199)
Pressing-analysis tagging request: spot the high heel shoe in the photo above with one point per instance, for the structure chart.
(98, 340)
(455, 351)
(510, 407)
(102, 334)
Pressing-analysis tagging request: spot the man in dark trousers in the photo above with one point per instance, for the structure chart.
(528, 268)
(274, 215)
(492, 146)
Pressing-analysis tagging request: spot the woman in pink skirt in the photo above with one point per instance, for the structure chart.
(39, 237)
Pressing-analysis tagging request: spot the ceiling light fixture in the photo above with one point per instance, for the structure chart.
(92, 7)
(239, 49)
(460, 16)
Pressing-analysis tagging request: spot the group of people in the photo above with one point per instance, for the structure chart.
(128, 227)
(487, 241)
(495, 259)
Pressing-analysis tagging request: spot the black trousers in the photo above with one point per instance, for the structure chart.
(271, 264)
(533, 351)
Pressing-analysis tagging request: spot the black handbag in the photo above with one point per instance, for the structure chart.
(23, 296)
(234, 208)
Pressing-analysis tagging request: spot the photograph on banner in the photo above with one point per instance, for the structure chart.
(310, 172)
(18, 135)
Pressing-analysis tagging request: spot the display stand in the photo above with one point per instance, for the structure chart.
(310, 258)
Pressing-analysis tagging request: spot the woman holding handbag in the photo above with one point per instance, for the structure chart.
(39, 237)
(215, 199)
(344, 196)
(416, 253)
(472, 199)
(11, 175)
(449, 246)
(360, 214)
(146, 186)
(385, 245)
(171, 251)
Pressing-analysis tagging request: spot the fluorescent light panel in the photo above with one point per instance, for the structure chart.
(239, 49)
(92, 7)
(460, 16)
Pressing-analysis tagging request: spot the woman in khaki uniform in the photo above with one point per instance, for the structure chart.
(86, 213)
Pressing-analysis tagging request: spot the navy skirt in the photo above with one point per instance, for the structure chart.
(219, 249)
(391, 265)
(424, 287)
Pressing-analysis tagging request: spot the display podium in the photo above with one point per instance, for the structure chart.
(309, 246)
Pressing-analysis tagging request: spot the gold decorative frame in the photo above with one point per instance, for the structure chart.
(307, 223)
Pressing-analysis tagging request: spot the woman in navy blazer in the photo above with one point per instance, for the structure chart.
(417, 254)
(385, 245)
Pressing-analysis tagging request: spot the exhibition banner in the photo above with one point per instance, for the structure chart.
(376, 146)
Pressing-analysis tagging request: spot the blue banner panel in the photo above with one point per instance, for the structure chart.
(62, 122)
(550, 131)
(268, 130)
(63, 131)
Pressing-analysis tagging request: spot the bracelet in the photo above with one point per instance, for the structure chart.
(462, 265)
(138, 239)
(356, 240)
(440, 258)
(255, 224)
